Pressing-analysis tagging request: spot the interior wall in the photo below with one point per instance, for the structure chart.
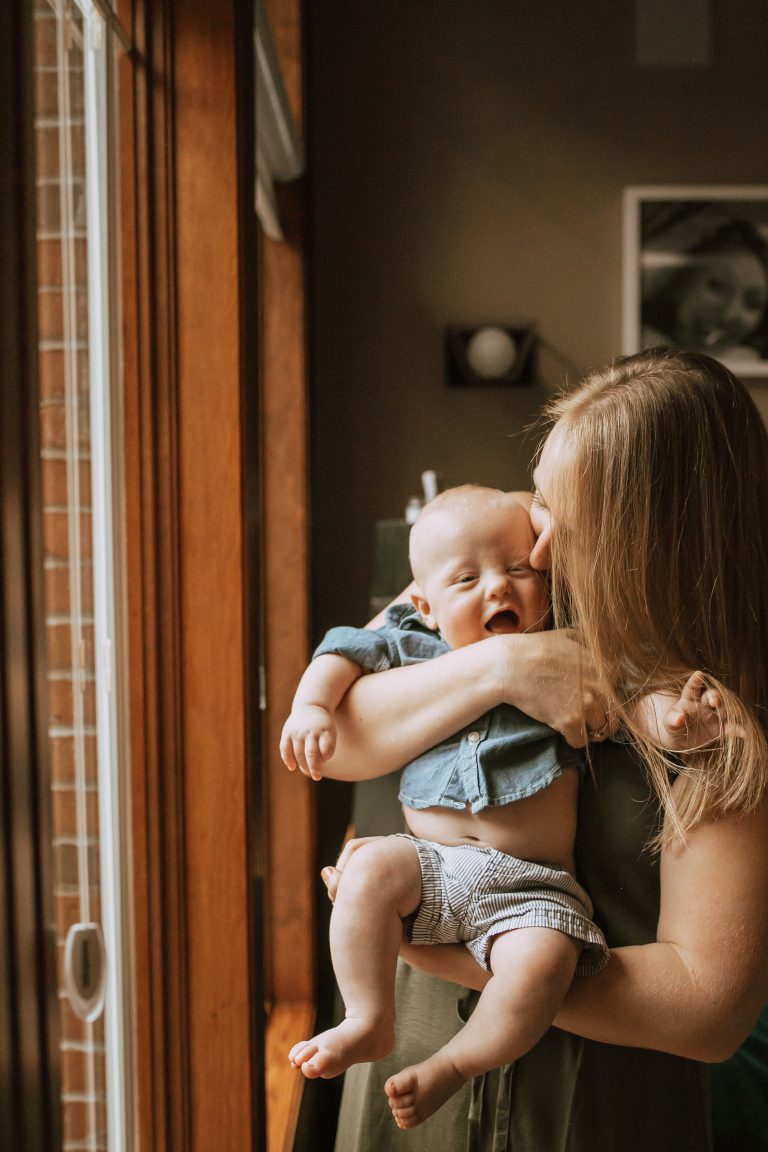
(467, 166)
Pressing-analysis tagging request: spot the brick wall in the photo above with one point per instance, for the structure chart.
(64, 423)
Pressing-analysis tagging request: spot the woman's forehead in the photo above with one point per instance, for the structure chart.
(547, 462)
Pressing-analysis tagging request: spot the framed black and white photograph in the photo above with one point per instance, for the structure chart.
(696, 272)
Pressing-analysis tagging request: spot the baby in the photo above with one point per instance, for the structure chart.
(492, 812)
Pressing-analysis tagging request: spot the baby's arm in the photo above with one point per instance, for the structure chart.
(681, 723)
(308, 740)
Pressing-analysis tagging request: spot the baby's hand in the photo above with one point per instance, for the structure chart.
(308, 739)
(694, 720)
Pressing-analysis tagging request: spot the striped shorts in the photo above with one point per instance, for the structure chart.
(469, 894)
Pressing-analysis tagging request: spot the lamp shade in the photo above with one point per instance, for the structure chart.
(490, 354)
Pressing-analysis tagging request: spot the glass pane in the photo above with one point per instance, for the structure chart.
(73, 214)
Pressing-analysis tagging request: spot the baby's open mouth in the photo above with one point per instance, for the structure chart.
(505, 621)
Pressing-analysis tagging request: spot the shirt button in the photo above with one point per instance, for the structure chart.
(473, 737)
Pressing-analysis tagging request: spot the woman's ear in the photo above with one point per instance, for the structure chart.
(422, 607)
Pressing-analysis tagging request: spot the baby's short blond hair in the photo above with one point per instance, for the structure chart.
(463, 501)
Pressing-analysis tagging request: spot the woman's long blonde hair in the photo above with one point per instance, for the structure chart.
(659, 505)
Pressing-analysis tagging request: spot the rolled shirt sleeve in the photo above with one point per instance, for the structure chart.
(370, 650)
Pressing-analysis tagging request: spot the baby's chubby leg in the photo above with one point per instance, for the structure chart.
(532, 970)
(381, 885)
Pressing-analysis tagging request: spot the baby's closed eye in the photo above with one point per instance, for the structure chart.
(518, 570)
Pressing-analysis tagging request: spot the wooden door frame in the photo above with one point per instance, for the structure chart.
(188, 418)
(291, 888)
(191, 557)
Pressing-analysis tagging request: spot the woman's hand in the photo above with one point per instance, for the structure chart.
(549, 675)
(389, 719)
(453, 962)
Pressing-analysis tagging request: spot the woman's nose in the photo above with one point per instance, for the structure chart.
(541, 551)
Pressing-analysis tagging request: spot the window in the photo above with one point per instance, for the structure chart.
(77, 368)
(140, 540)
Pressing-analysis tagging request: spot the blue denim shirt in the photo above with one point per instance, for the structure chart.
(502, 757)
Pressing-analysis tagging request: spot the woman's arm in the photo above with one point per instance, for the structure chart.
(452, 962)
(389, 718)
(698, 991)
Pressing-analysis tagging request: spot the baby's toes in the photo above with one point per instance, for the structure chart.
(401, 1082)
(311, 1069)
(405, 1117)
(301, 1052)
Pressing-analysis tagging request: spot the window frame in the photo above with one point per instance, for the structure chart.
(292, 888)
(192, 560)
(30, 1118)
(186, 197)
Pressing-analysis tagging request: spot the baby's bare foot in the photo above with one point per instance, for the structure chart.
(353, 1041)
(416, 1092)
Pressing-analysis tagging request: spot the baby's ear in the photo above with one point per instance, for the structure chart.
(422, 607)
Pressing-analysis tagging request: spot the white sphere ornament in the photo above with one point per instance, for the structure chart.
(491, 352)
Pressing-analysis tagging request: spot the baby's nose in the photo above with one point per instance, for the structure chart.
(498, 584)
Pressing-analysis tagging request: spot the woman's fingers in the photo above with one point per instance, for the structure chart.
(550, 676)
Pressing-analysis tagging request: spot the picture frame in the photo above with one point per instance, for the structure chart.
(696, 272)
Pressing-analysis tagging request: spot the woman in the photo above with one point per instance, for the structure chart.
(651, 503)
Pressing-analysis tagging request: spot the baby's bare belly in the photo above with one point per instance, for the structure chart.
(541, 828)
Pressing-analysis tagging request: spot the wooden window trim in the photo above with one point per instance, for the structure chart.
(194, 880)
(193, 750)
(161, 1043)
(283, 369)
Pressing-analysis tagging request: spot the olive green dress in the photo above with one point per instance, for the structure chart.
(567, 1094)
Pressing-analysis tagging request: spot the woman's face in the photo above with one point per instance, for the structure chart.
(722, 301)
(541, 518)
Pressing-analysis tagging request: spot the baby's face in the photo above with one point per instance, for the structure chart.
(475, 576)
